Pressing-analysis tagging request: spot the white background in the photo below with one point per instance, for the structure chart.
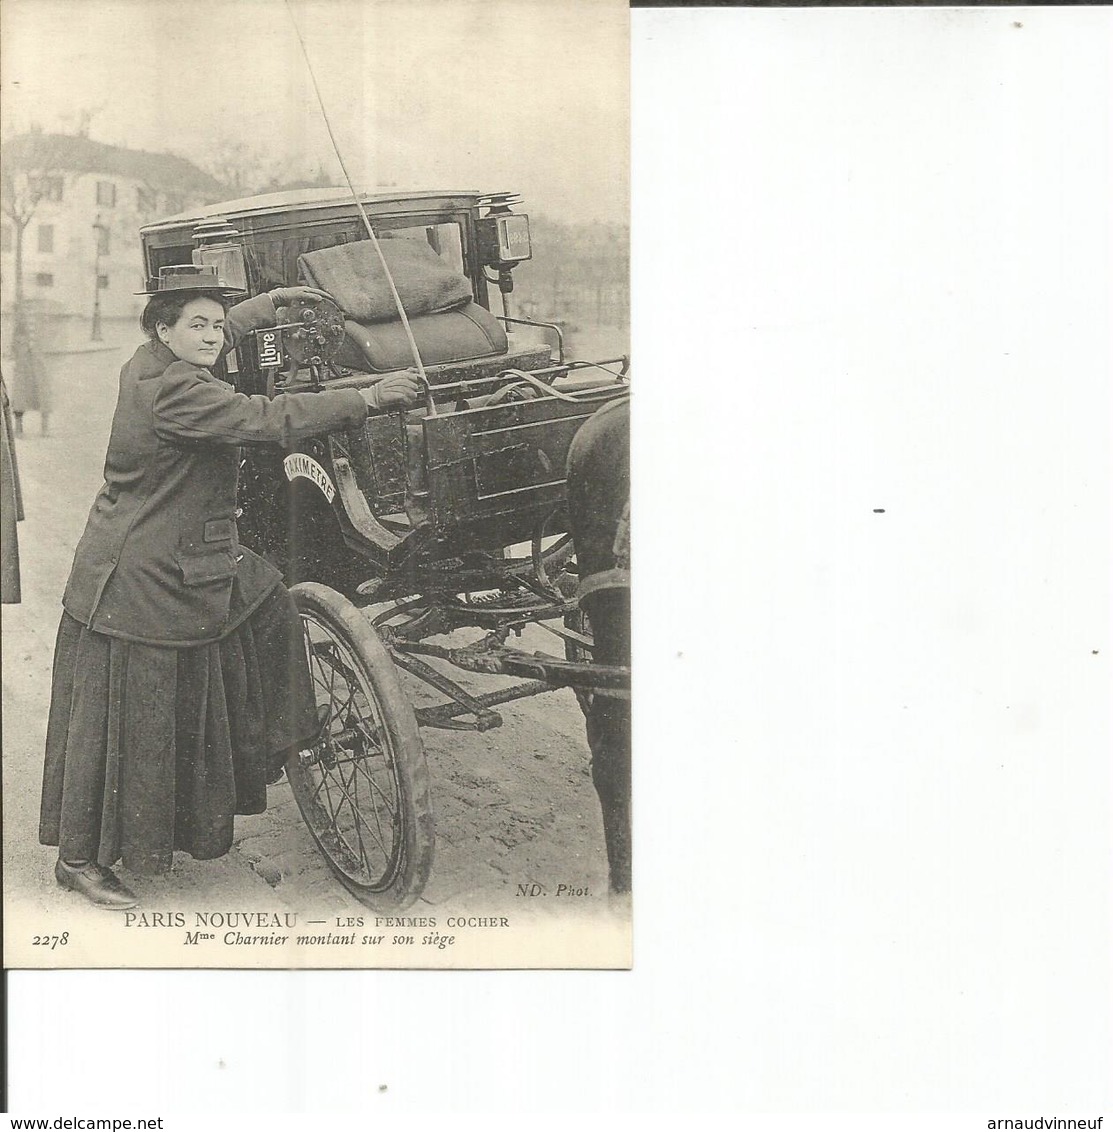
(872, 269)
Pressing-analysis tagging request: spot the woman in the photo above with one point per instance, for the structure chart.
(31, 386)
(180, 681)
(11, 506)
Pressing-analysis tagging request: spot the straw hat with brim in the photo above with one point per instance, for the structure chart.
(201, 278)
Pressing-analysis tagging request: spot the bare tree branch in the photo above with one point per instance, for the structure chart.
(33, 170)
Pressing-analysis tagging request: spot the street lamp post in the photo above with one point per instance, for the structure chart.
(99, 231)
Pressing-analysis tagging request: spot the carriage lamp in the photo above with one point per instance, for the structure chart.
(219, 246)
(504, 239)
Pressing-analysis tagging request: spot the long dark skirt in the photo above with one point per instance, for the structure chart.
(11, 506)
(151, 749)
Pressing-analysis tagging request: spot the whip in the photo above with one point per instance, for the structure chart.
(422, 377)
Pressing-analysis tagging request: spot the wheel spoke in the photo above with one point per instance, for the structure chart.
(372, 736)
(357, 723)
(360, 725)
(331, 682)
(328, 656)
(356, 819)
(313, 796)
(387, 800)
(332, 812)
(354, 807)
(334, 670)
(374, 785)
(355, 767)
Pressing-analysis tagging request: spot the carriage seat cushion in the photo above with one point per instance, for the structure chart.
(353, 275)
(462, 335)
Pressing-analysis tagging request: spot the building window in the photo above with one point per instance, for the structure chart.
(6, 237)
(103, 239)
(146, 200)
(106, 194)
(102, 282)
(46, 237)
(45, 187)
(175, 202)
(44, 279)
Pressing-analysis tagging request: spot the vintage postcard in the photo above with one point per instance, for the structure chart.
(316, 646)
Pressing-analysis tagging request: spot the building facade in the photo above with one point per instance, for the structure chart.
(80, 204)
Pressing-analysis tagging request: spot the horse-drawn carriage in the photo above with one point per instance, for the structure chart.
(417, 525)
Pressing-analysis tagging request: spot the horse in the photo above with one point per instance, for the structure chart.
(598, 472)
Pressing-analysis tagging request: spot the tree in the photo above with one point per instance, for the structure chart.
(33, 171)
(242, 169)
(245, 170)
(319, 180)
(579, 273)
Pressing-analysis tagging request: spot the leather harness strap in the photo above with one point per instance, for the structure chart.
(618, 577)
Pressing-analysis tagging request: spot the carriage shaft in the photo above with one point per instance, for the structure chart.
(497, 660)
(485, 719)
(441, 715)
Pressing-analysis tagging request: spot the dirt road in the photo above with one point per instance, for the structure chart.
(513, 806)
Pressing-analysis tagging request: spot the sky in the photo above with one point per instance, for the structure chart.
(524, 95)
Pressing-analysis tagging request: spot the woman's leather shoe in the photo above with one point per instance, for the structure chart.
(98, 885)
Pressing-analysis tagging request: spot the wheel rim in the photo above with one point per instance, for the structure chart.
(351, 790)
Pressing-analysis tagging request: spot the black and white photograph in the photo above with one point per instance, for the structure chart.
(817, 838)
(317, 354)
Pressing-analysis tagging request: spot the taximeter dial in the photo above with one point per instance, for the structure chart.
(314, 330)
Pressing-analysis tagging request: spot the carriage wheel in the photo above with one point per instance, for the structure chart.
(363, 789)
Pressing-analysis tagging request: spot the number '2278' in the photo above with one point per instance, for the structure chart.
(51, 941)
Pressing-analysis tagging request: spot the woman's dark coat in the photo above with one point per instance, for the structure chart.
(11, 506)
(29, 377)
(160, 560)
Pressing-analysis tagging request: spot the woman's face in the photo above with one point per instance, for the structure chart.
(198, 334)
